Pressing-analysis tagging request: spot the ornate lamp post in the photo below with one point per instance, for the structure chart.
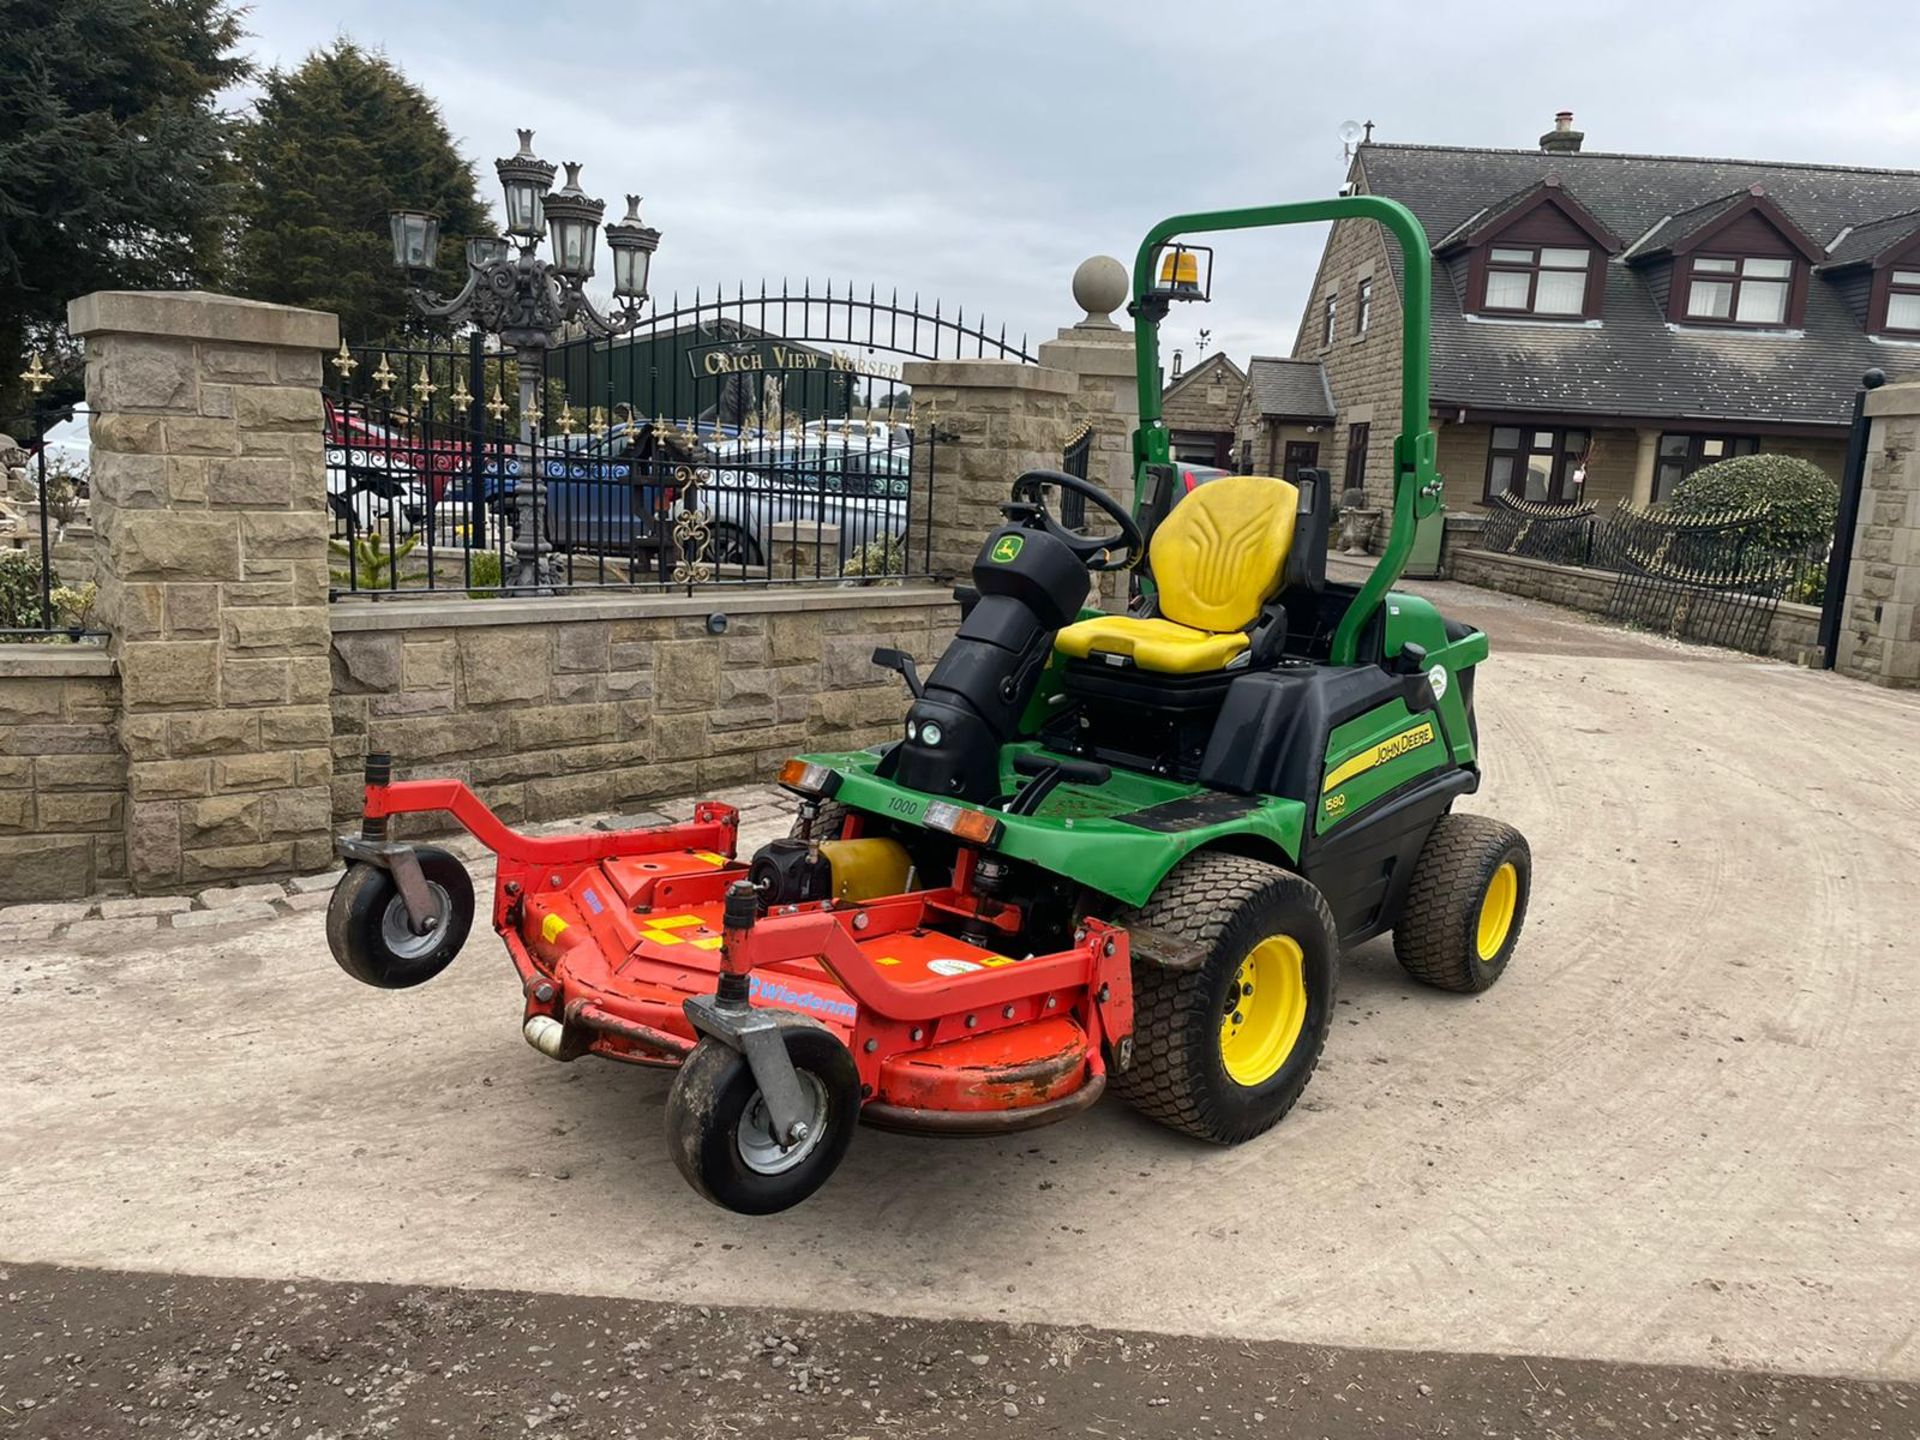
(527, 301)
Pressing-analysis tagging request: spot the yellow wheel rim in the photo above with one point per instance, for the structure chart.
(1264, 1011)
(1496, 911)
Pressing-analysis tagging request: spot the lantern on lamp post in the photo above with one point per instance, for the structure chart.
(416, 240)
(574, 219)
(632, 242)
(525, 178)
(527, 301)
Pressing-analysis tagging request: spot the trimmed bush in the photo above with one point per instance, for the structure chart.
(20, 591)
(1802, 501)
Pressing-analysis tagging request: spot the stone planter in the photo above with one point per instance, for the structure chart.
(1356, 530)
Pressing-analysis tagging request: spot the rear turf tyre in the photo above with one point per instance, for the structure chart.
(1466, 903)
(722, 1141)
(367, 922)
(1222, 1052)
(831, 820)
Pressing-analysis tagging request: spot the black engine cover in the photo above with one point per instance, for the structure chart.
(1030, 585)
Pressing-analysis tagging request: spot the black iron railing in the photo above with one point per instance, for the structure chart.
(38, 602)
(1713, 578)
(753, 438)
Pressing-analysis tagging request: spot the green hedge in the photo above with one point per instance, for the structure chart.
(1802, 501)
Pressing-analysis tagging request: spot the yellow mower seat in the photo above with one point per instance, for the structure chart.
(1218, 557)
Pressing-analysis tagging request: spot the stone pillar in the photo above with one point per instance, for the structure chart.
(981, 422)
(1099, 354)
(209, 496)
(1880, 623)
(1645, 458)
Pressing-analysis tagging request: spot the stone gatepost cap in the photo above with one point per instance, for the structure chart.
(198, 315)
(1100, 288)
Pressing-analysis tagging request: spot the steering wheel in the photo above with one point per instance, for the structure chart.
(1122, 550)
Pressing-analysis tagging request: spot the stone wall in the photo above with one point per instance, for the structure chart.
(62, 777)
(208, 495)
(1793, 635)
(553, 707)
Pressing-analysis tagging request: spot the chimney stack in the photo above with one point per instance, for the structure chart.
(1563, 139)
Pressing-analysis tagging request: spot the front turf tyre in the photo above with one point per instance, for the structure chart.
(367, 926)
(1224, 1050)
(720, 1136)
(1466, 903)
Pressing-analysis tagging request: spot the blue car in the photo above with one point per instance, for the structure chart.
(606, 494)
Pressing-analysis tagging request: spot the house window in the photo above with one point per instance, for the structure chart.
(1681, 455)
(1537, 280)
(1363, 308)
(1357, 436)
(1903, 301)
(1544, 465)
(1332, 313)
(1732, 290)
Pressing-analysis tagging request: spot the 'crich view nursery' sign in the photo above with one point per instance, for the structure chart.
(756, 357)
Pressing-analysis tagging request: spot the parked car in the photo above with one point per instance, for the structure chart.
(1194, 476)
(619, 492)
(851, 484)
(438, 454)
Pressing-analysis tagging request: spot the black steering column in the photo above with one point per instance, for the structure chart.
(1032, 578)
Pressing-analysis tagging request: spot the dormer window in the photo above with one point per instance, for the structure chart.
(1903, 302)
(1739, 260)
(1537, 280)
(1739, 290)
(1538, 254)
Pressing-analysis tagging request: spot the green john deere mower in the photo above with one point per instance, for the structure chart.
(1120, 849)
(1251, 770)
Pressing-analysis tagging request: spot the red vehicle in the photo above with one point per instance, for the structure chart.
(436, 460)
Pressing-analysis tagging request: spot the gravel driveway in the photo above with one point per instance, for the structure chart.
(1681, 1130)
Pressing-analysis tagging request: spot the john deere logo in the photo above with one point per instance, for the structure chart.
(1006, 548)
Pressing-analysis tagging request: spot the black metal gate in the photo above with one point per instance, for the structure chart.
(754, 438)
(1557, 534)
(1708, 578)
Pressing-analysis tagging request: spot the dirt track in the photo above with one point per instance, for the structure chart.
(1680, 1130)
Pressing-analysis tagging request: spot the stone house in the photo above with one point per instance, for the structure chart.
(1201, 408)
(1604, 324)
(1286, 418)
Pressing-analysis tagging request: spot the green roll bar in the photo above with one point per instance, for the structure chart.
(1416, 478)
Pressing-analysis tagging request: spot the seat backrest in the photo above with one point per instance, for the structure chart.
(1222, 552)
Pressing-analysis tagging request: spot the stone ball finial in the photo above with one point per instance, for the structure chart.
(1100, 288)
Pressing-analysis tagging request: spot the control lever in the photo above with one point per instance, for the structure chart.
(1048, 771)
(902, 663)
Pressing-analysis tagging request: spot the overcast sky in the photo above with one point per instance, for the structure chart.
(977, 150)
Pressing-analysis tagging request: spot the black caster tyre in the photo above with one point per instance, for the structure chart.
(1222, 1052)
(720, 1137)
(367, 922)
(1466, 903)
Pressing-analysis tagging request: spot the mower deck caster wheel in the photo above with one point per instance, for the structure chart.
(368, 930)
(721, 1137)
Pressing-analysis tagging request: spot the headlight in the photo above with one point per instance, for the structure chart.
(930, 733)
(804, 777)
(974, 826)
